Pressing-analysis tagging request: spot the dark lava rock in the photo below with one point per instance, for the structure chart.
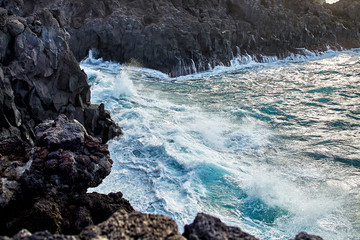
(179, 37)
(40, 77)
(44, 187)
(305, 236)
(206, 227)
(102, 206)
(66, 159)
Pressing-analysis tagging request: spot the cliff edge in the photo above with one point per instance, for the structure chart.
(179, 37)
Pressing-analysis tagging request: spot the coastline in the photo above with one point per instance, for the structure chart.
(46, 171)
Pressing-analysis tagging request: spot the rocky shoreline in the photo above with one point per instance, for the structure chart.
(53, 140)
(179, 37)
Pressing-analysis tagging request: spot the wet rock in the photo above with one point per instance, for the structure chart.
(206, 227)
(305, 236)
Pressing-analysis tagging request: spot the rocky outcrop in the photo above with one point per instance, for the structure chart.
(305, 236)
(181, 36)
(40, 77)
(346, 10)
(206, 227)
(121, 225)
(44, 187)
(136, 225)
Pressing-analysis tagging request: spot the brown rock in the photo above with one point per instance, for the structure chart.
(122, 225)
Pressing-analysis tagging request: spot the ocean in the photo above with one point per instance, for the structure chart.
(272, 147)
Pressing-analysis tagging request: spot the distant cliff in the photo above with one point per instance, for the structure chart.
(172, 35)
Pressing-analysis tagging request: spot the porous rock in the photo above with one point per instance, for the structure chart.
(66, 158)
(135, 225)
(43, 187)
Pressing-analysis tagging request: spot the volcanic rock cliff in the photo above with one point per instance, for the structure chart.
(40, 77)
(181, 36)
(52, 139)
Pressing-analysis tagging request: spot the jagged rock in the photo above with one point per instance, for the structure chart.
(3, 17)
(305, 236)
(39, 76)
(43, 187)
(179, 37)
(13, 6)
(206, 227)
(9, 191)
(136, 225)
(102, 206)
(66, 158)
(68, 135)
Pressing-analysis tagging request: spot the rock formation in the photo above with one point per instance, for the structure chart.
(46, 170)
(44, 187)
(181, 36)
(208, 227)
(40, 77)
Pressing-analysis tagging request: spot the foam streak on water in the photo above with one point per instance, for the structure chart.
(270, 147)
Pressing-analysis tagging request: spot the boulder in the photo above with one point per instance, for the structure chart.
(66, 159)
(43, 187)
(135, 225)
(206, 227)
(305, 236)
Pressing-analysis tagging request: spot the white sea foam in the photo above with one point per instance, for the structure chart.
(179, 157)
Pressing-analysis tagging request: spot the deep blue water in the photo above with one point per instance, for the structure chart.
(273, 148)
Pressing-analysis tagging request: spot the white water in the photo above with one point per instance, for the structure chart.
(269, 147)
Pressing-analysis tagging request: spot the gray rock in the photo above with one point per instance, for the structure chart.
(45, 76)
(3, 17)
(15, 27)
(9, 190)
(62, 133)
(179, 37)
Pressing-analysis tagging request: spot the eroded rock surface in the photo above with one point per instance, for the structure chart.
(181, 36)
(44, 187)
(40, 77)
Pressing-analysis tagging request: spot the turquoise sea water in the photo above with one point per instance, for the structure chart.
(273, 148)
